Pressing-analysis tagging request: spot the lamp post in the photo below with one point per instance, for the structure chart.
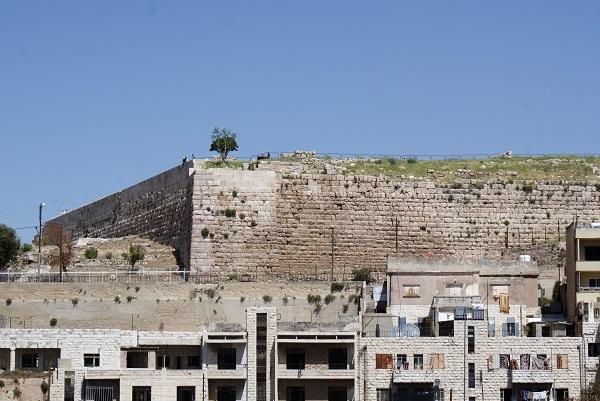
(40, 241)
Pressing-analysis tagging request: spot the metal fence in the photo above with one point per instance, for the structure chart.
(291, 155)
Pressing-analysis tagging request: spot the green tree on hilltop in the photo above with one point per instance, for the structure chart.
(223, 142)
(9, 245)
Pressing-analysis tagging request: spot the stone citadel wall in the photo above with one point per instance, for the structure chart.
(156, 208)
(285, 219)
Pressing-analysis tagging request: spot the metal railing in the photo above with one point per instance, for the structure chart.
(164, 276)
(294, 155)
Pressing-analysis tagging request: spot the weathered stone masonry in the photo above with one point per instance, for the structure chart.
(288, 218)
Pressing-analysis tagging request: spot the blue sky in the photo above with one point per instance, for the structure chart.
(96, 95)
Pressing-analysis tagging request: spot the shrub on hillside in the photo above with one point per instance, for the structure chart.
(91, 253)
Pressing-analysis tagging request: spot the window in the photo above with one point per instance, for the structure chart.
(412, 291)
(505, 394)
(593, 349)
(141, 393)
(137, 359)
(438, 394)
(471, 398)
(562, 394)
(454, 290)
(295, 393)
(295, 359)
(471, 375)
(186, 393)
(592, 252)
(401, 361)
(384, 361)
(338, 358)
(562, 361)
(491, 327)
(418, 361)
(594, 282)
(509, 329)
(383, 394)
(193, 361)
(29, 361)
(471, 339)
(91, 360)
(227, 393)
(226, 359)
(337, 394)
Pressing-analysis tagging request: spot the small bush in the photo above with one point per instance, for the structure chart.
(337, 287)
(242, 299)
(412, 160)
(527, 188)
(53, 322)
(318, 308)
(450, 198)
(267, 299)
(74, 301)
(354, 298)
(456, 185)
(204, 232)
(253, 223)
(313, 299)
(544, 301)
(135, 254)
(329, 298)
(363, 274)
(91, 253)
(44, 387)
(242, 216)
(8, 301)
(161, 326)
(16, 381)
(344, 308)
(108, 255)
(17, 393)
(226, 236)
(230, 212)
(130, 298)
(137, 288)
(506, 223)
(211, 293)
(234, 193)
(2, 384)
(26, 247)
(285, 300)
(117, 299)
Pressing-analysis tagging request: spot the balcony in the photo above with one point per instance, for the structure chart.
(588, 266)
(532, 376)
(240, 372)
(315, 373)
(413, 376)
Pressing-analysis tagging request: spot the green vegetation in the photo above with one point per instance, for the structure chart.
(267, 299)
(329, 298)
(544, 301)
(556, 292)
(26, 247)
(363, 274)
(9, 245)
(285, 300)
(337, 287)
(91, 253)
(313, 299)
(534, 168)
(74, 301)
(134, 254)
(8, 301)
(17, 393)
(223, 142)
(53, 322)
(230, 212)
(204, 232)
(108, 255)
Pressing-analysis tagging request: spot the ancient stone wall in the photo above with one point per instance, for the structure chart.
(286, 221)
(291, 222)
(156, 208)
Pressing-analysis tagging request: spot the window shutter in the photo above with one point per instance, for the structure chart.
(517, 328)
(504, 329)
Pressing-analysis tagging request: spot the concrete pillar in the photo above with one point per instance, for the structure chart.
(13, 360)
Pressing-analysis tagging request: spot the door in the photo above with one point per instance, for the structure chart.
(187, 393)
(141, 393)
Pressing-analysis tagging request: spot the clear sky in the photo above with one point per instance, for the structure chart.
(96, 95)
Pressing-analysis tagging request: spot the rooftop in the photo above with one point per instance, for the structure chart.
(452, 266)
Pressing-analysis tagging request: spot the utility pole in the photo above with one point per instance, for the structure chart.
(332, 250)
(40, 241)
